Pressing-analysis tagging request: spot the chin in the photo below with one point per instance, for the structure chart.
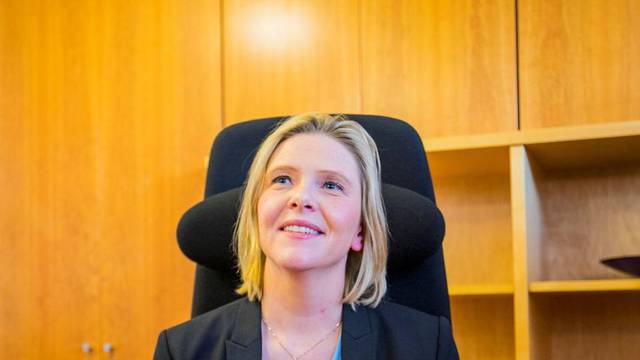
(297, 264)
(301, 263)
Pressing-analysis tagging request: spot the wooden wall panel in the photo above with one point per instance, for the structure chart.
(447, 67)
(108, 109)
(593, 212)
(49, 288)
(477, 243)
(483, 327)
(285, 57)
(579, 62)
(586, 326)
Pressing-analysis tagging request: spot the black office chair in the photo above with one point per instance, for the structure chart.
(416, 272)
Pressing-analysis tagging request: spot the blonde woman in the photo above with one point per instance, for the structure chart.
(311, 243)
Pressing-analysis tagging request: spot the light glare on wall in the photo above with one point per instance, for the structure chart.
(277, 28)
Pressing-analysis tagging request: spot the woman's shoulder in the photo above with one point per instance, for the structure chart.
(403, 314)
(413, 331)
(208, 335)
(217, 320)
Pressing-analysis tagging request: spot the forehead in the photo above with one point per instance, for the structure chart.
(315, 150)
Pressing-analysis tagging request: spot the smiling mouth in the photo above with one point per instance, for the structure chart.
(301, 230)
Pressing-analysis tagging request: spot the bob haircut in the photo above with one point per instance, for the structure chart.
(365, 274)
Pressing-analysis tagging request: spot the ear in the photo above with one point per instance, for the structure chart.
(356, 243)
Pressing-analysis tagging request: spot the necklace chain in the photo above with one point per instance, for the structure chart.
(273, 333)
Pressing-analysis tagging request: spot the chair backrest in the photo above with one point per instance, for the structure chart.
(404, 164)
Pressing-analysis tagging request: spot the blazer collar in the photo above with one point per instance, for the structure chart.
(358, 339)
(245, 342)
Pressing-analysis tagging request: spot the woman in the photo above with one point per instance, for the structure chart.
(311, 241)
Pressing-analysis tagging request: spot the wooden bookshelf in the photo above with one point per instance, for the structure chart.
(529, 216)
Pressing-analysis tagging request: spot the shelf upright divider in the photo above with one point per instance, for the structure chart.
(524, 214)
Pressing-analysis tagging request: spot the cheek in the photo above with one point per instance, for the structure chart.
(346, 217)
(264, 219)
(268, 210)
(263, 213)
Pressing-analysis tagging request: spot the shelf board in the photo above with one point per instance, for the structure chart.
(572, 286)
(534, 136)
(481, 290)
(478, 162)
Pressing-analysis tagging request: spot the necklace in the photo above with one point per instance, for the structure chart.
(273, 333)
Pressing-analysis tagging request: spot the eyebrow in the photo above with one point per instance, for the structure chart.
(324, 172)
(336, 174)
(281, 168)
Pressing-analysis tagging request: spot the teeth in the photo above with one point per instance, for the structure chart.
(300, 229)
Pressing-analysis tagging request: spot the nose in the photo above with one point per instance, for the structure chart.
(301, 198)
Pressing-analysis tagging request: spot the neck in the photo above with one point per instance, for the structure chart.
(294, 299)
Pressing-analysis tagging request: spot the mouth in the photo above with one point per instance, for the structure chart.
(301, 230)
(301, 227)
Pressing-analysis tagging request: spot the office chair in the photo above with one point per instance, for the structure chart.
(415, 271)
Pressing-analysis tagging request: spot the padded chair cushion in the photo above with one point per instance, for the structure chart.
(205, 231)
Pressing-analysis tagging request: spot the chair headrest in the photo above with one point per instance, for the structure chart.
(416, 229)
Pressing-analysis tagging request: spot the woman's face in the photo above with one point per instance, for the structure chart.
(310, 205)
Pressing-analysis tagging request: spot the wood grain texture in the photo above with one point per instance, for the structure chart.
(483, 327)
(620, 138)
(481, 290)
(285, 57)
(477, 243)
(579, 62)
(476, 162)
(574, 286)
(586, 326)
(447, 67)
(588, 214)
(604, 152)
(107, 110)
(526, 230)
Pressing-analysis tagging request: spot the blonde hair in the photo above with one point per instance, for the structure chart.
(365, 276)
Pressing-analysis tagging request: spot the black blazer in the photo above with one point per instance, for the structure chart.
(389, 331)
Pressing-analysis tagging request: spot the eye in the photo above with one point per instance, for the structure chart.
(332, 185)
(282, 179)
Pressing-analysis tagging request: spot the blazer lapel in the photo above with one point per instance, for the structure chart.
(245, 342)
(358, 339)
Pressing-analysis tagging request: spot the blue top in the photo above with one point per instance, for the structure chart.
(336, 355)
